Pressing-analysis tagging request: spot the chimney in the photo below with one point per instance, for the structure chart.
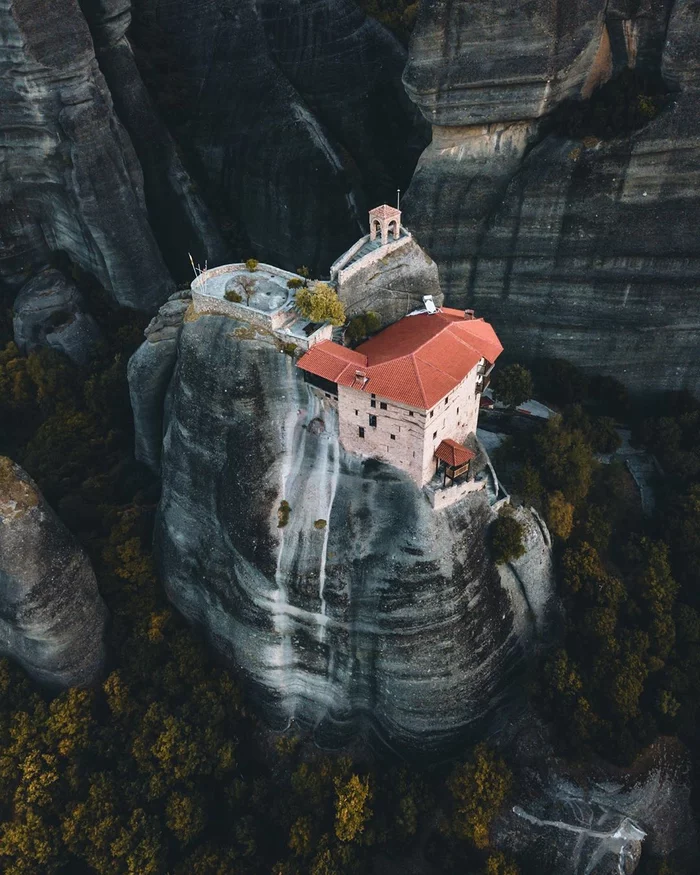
(468, 314)
(361, 377)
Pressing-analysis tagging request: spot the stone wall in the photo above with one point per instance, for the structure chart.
(441, 498)
(372, 258)
(454, 416)
(221, 307)
(407, 425)
(417, 433)
(343, 259)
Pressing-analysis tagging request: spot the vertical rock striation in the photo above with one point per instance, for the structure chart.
(574, 246)
(179, 218)
(70, 177)
(51, 614)
(357, 605)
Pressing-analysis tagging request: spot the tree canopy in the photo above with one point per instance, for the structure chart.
(321, 304)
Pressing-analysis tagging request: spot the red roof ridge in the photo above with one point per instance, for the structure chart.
(424, 397)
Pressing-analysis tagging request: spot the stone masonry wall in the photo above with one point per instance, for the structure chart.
(222, 307)
(373, 257)
(417, 433)
(454, 416)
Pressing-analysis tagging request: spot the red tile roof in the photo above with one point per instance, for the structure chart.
(385, 212)
(454, 454)
(416, 361)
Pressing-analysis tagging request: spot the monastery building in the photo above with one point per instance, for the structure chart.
(410, 395)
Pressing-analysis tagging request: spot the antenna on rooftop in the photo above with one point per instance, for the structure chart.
(398, 198)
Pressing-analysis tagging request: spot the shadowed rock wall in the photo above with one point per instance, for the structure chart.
(295, 113)
(578, 248)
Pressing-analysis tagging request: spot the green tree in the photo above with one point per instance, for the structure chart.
(512, 385)
(352, 807)
(479, 788)
(321, 304)
(251, 264)
(506, 537)
(560, 515)
(362, 326)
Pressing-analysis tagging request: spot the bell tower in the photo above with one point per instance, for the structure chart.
(383, 221)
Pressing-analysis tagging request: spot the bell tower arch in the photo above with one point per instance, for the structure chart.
(384, 221)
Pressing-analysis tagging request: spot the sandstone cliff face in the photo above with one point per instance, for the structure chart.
(577, 248)
(367, 609)
(51, 614)
(390, 282)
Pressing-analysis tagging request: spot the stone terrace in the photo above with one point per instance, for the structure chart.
(271, 305)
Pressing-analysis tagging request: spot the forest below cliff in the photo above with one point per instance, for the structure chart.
(164, 767)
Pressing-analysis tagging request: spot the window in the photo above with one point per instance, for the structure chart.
(410, 413)
(373, 395)
(457, 411)
(372, 403)
(357, 412)
(431, 414)
(327, 395)
(447, 398)
(393, 437)
(373, 421)
(382, 405)
(434, 435)
(361, 431)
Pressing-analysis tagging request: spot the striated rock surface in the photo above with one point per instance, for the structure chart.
(474, 63)
(295, 113)
(600, 822)
(365, 608)
(51, 614)
(578, 248)
(49, 312)
(150, 371)
(70, 177)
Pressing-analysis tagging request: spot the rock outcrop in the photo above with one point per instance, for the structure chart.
(49, 311)
(575, 247)
(568, 823)
(390, 281)
(51, 614)
(150, 371)
(328, 579)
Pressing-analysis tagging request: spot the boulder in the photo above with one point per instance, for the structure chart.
(49, 312)
(52, 617)
(599, 819)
